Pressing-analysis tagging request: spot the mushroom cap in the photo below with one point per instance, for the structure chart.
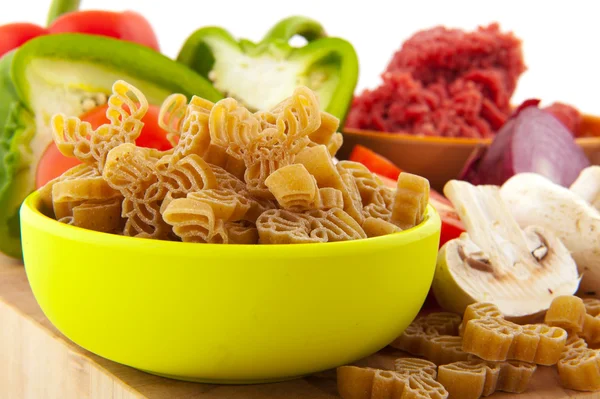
(587, 185)
(535, 200)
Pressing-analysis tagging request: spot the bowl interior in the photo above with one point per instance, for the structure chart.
(33, 210)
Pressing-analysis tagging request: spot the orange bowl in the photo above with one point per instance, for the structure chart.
(441, 159)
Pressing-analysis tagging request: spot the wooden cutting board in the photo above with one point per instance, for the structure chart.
(37, 362)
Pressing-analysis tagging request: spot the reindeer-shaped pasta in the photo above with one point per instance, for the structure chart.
(74, 138)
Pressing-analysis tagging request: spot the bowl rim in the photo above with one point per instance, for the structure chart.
(456, 141)
(31, 214)
(592, 122)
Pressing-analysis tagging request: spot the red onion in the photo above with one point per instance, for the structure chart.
(532, 140)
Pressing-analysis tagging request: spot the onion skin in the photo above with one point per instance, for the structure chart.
(534, 141)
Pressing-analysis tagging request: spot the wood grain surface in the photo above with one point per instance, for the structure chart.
(37, 362)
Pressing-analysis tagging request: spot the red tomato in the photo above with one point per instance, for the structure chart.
(53, 163)
(127, 25)
(375, 162)
(452, 227)
(14, 35)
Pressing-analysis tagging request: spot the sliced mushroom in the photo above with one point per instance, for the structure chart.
(495, 261)
(535, 200)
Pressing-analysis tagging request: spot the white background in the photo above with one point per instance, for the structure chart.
(560, 38)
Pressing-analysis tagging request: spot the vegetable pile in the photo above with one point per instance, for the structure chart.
(520, 226)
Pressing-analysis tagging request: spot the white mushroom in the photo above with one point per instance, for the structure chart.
(535, 200)
(587, 185)
(520, 271)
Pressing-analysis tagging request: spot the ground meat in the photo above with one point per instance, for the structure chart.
(569, 116)
(447, 54)
(402, 104)
(444, 82)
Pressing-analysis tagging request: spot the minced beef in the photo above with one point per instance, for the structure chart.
(448, 54)
(444, 82)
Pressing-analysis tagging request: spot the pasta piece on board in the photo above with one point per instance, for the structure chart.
(476, 378)
(579, 367)
(493, 338)
(367, 383)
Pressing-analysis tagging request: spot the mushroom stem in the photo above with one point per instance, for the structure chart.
(491, 226)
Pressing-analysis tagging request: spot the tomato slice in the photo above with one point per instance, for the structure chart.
(53, 163)
(375, 162)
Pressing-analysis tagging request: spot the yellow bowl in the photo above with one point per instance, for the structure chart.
(227, 313)
(441, 159)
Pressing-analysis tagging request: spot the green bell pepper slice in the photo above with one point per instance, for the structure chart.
(60, 7)
(8, 94)
(262, 74)
(59, 74)
(16, 131)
